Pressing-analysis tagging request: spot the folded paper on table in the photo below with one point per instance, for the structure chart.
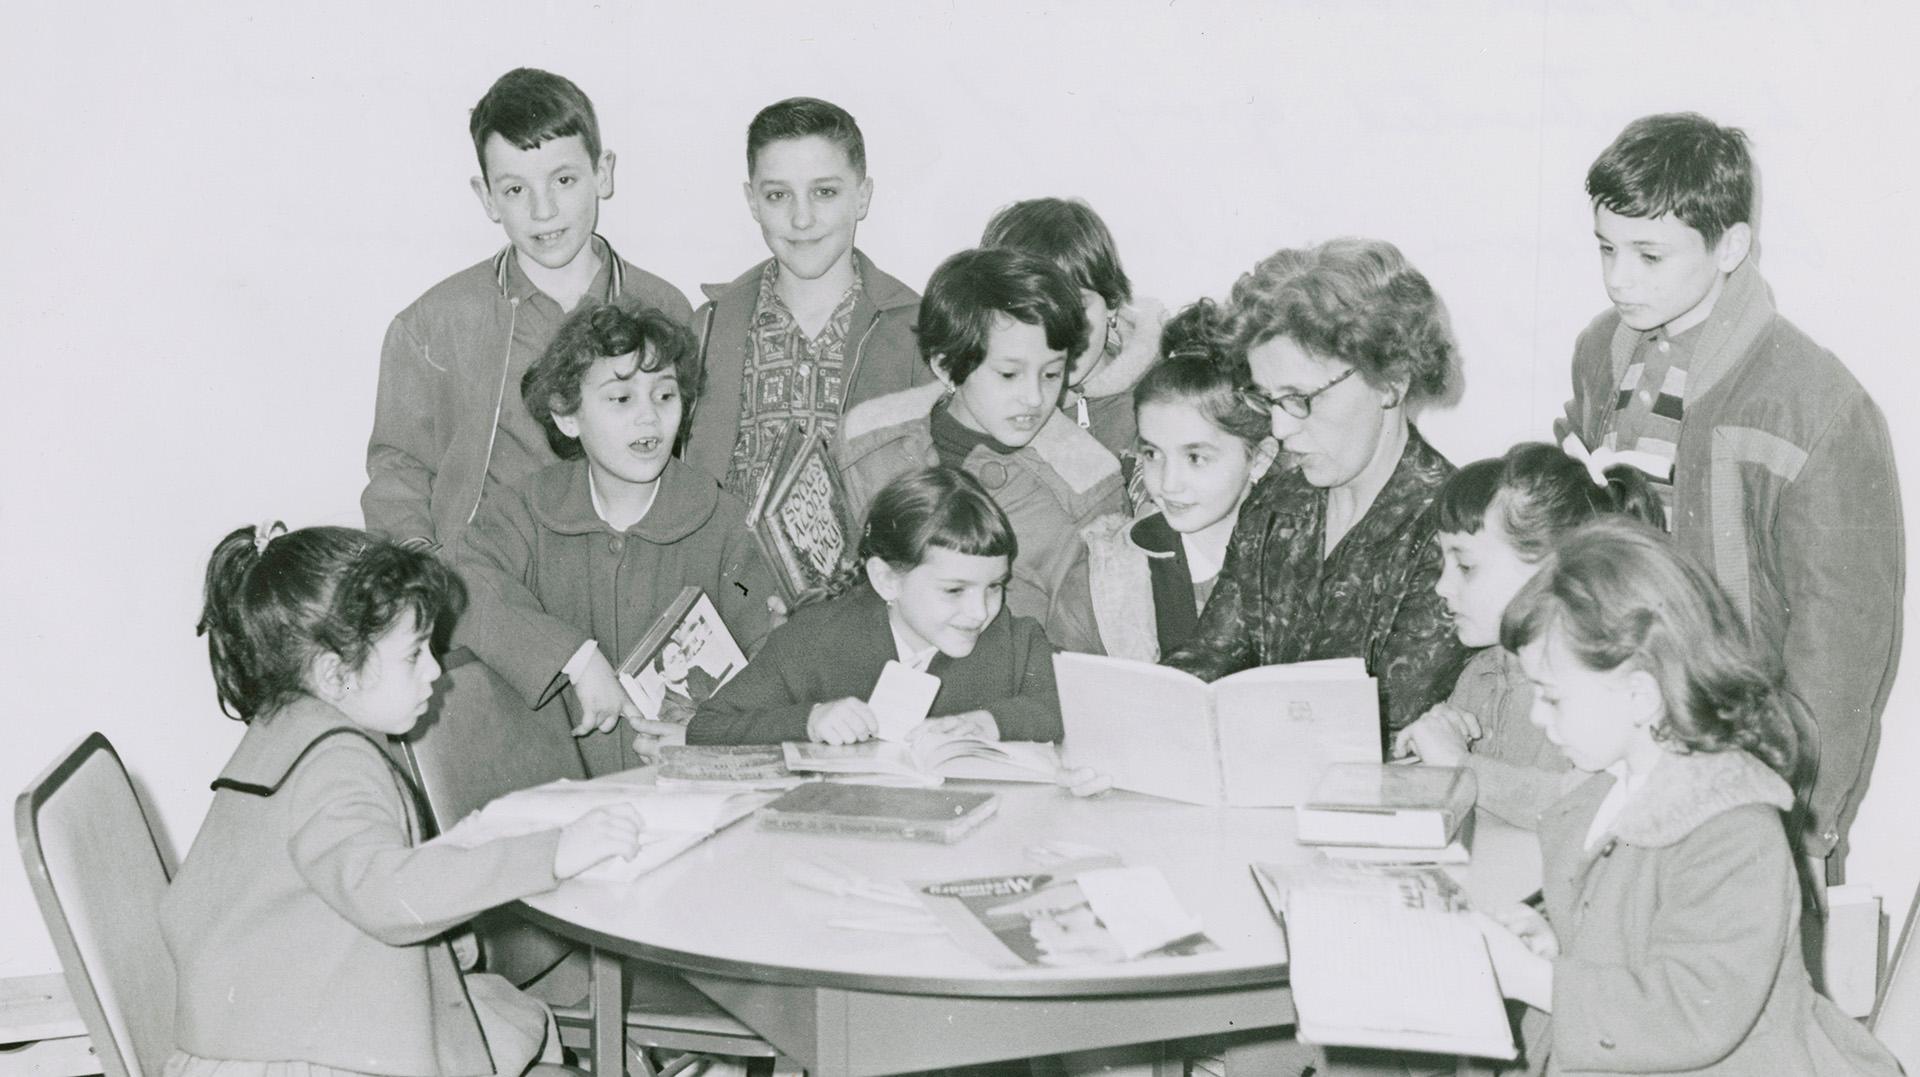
(675, 820)
(1257, 738)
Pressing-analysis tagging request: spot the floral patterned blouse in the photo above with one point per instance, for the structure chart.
(1278, 600)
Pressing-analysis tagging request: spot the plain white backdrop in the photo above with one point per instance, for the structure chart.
(212, 210)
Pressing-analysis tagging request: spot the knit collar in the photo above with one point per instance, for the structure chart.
(1741, 314)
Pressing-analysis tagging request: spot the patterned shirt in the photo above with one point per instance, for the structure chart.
(1652, 401)
(787, 378)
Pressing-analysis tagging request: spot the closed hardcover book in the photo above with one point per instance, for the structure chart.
(940, 815)
(800, 514)
(1406, 807)
(929, 759)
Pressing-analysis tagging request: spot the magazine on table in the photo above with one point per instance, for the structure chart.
(682, 660)
(1080, 912)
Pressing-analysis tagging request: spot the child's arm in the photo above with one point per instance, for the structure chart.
(765, 703)
(402, 453)
(348, 838)
(505, 623)
(1516, 793)
(1837, 538)
(1716, 941)
(1032, 712)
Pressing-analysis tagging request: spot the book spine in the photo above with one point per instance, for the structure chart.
(945, 833)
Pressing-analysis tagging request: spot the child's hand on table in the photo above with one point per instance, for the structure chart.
(843, 721)
(602, 699)
(1439, 737)
(977, 724)
(603, 833)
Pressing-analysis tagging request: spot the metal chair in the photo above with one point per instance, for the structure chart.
(98, 875)
(1896, 1014)
(478, 742)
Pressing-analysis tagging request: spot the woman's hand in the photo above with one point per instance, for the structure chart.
(843, 721)
(1439, 737)
(603, 833)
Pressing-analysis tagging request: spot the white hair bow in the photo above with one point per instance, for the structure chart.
(266, 531)
(1604, 457)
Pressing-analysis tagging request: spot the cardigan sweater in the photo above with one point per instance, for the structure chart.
(1679, 934)
(1783, 485)
(449, 370)
(836, 649)
(303, 924)
(545, 573)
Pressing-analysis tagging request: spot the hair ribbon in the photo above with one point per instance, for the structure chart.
(266, 531)
(1597, 461)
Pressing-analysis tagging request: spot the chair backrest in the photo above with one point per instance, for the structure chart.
(1896, 1016)
(98, 874)
(478, 741)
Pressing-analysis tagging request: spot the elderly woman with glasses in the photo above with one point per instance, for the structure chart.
(1334, 555)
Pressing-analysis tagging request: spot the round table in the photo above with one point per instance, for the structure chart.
(845, 1001)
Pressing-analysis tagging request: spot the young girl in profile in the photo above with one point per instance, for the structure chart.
(1498, 519)
(1671, 935)
(927, 591)
(1201, 447)
(305, 923)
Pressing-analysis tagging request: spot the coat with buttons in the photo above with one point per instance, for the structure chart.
(1679, 934)
(1051, 489)
(545, 573)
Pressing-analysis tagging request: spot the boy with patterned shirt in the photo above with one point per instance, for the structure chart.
(447, 430)
(814, 330)
(1782, 473)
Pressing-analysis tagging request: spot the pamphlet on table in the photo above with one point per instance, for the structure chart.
(1085, 912)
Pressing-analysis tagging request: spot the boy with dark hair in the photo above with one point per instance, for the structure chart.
(446, 434)
(815, 329)
(569, 572)
(997, 328)
(1781, 474)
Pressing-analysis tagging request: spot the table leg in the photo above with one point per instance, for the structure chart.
(608, 992)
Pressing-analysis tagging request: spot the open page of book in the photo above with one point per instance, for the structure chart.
(991, 760)
(1282, 726)
(1150, 728)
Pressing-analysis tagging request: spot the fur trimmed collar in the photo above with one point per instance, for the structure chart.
(1685, 791)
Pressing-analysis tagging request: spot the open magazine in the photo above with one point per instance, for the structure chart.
(1081, 912)
(929, 760)
(682, 660)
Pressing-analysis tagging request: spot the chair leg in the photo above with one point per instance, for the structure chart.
(609, 994)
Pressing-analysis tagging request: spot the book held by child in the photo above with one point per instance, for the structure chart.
(1257, 738)
(682, 660)
(800, 514)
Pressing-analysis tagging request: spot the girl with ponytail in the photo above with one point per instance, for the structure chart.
(928, 590)
(1671, 935)
(307, 926)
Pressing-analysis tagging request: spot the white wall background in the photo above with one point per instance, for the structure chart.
(212, 210)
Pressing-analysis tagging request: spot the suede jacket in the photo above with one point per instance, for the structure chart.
(545, 573)
(1784, 485)
(1050, 489)
(883, 355)
(1679, 934)
(447, 370)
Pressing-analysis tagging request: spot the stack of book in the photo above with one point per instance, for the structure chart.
(1390, 812)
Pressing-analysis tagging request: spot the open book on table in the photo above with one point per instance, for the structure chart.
(1083, 912)
(1257, 738)
(1386, 956)
(928, 760)
(683, 659)
(675, 820)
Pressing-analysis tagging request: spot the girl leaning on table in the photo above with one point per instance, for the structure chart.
(1498, 519)
(305, 925)
(928, 590)
(1671, 935)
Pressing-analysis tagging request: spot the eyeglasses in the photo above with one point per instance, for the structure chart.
(1298, 405)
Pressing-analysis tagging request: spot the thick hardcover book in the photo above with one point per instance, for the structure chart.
(799, 514)
(684, 658)
(1257, 738)
(1410, 807)
(940, 815)
(752, 766)
(930, 759)
(1387, 957)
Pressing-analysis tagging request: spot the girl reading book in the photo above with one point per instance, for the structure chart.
(1671, 935)
(1201, 447)
(1498, 519)
(307, 928)
(927, 591)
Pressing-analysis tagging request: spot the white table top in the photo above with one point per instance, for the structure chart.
(726, 907)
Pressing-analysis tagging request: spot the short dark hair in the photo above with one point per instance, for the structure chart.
(269, 607)
(1356, 300)
(1196, 369)
(607, 330)
(800, 117)
(935, 506)
(530, 107)
(1542, 494)
(1678, 163)
(1068, 233)
(970, 289)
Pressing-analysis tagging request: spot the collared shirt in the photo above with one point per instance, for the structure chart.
(787, 378)
(910, 656)
(520, 444)
(1625, 785)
